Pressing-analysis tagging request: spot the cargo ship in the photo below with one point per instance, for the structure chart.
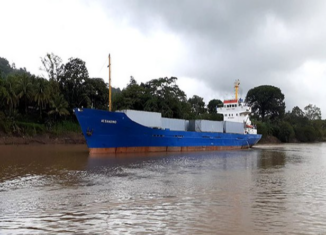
(140, 131)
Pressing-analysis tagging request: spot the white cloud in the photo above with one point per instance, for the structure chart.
(307, 86)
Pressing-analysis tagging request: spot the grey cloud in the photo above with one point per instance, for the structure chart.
(230, 39)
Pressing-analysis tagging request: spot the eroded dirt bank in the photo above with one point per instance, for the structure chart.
(68, 138)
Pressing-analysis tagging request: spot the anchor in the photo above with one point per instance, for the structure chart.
(89, 132)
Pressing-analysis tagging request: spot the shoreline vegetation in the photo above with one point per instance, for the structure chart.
(39, 110)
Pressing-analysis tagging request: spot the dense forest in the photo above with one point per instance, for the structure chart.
(32, 105)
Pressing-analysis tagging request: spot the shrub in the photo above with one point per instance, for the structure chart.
(262, 128)
(265, 128)
(310, 133)
(299, 134)
(31, 129)
(286, 132)
(66, 126)
(4, 124)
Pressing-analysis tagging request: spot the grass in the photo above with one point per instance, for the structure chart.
(32, 129)
(64, 127)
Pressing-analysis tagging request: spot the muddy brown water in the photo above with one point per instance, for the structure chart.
(271, 189)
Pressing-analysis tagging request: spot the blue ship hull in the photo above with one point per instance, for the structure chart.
(106, 131)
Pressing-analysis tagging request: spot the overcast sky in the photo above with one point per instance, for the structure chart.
(207, 44)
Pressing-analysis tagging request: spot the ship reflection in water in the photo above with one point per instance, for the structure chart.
(265, 190)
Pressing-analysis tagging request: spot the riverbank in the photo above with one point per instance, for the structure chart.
(67, 138)
(269, 140)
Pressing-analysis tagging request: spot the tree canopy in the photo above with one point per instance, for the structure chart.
(52, 65)
(213, 104)
(72, 83)
(158, 95)
(266, 102)
(197, 105)
(312, 112)
(7, 69)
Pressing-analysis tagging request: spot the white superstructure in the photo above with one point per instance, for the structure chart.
(235, 110)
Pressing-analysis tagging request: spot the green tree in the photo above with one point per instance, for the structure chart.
(8, 93)
(72, 83)
(5, 67)
(197, 105)
(58, 106)
(286, 132)
(265, 128)
(310, 133)
(266, 102)
(52, 65)
(296, 117)
(24, 88)
(305, 130)
(297, 112)
(213, 104)
(2, 93)
(164, 95)
(312, 112)
(158, 95)
(97, 92)
(131, 97)
(42, 93)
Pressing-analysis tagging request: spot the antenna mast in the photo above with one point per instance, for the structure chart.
(110, 103)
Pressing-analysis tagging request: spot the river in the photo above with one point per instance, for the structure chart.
(269, 189)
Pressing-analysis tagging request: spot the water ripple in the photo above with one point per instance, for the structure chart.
(274, 189)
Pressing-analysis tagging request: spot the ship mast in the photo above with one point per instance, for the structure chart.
(110, 103)
(236, 87)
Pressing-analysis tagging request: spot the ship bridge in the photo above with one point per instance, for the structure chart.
(236, 110)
